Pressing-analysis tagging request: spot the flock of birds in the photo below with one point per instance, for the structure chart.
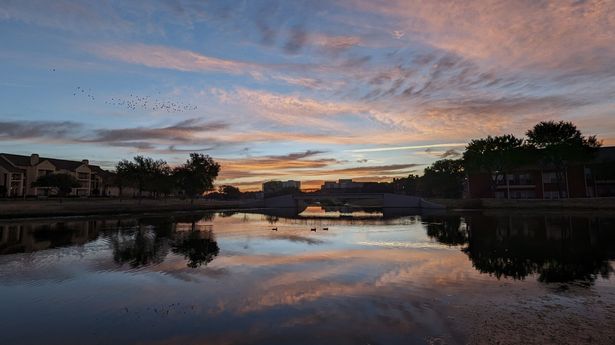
(135, 102)
(148, 103)
(311, 229)
(83, 92)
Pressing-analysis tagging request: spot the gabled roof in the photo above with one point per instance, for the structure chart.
(11, 162)
(8, 166)
(18, 160)
(62, 164)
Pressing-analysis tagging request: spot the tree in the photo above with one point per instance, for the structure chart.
(144, 173)
(64, 183)
(561, 143)
(230, 192)
(495, 156)
(123, 177)
(407, 185)
(197, 175)
(444, 179)
(162, 180)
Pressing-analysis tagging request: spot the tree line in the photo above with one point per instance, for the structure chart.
(549, 145)
(156, 177)
(191, 179)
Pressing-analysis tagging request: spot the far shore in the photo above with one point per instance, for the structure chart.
(528, 204)
(20, 208)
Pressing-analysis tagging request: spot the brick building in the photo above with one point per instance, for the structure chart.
(595, 178)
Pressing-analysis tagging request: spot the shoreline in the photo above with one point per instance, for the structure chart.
(581, 204)
(53, 208)
(15, 209)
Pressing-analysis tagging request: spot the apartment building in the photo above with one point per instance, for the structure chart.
(595, 178)
(17, 173)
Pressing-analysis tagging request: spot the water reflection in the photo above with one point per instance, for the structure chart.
(212, 278)
(198, 247)
(556, 248)
(135, 242)
(33, 236)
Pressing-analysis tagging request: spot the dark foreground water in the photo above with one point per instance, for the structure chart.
(371, 278)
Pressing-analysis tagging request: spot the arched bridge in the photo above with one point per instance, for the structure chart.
(300, 201)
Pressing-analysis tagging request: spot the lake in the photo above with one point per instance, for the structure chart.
(325, 276)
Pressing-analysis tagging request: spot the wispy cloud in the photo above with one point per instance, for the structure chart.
(414, 147)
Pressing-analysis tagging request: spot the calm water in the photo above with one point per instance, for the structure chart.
(376, 277)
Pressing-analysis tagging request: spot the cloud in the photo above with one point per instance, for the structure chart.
(184, 131)
(414, 147)
(165, 139)
(376, 169)
(297, 38)
(333, 44)
(157, 56)
(571, 35)
(37, 130)
(452, 153)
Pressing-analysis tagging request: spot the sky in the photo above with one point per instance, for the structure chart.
(307, 90)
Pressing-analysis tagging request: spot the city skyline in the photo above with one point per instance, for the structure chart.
(305, 90)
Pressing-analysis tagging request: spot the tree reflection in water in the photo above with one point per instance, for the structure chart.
(142, 245)
(556, 248)
(149, 241)
(198, 247)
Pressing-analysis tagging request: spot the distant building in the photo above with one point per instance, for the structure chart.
(591, 179)
(18, 172)
(341, 186)
(280, 187)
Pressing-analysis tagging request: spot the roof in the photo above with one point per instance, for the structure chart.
(606, 154)
(18, 160)
(8, 166)
(61, 164)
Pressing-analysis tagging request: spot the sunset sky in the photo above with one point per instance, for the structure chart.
(307, 90)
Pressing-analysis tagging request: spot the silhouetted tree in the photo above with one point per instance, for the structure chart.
(443, 179)
(561, 143)
(64, 183)
(230, 192)
(494, 156)
(162, 180)
(407, 185)
(197, 175)
(144, 173)
(123, 177)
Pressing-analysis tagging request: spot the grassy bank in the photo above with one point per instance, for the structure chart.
(79, 207)
(576, 203)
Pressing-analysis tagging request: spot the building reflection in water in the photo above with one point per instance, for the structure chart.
(32, 236)
(556, 248)
(134, 242)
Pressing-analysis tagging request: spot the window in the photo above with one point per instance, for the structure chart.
(551, 177)
(83, 176)
(554, 194)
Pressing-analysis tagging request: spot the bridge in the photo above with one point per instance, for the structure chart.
(300, 201)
